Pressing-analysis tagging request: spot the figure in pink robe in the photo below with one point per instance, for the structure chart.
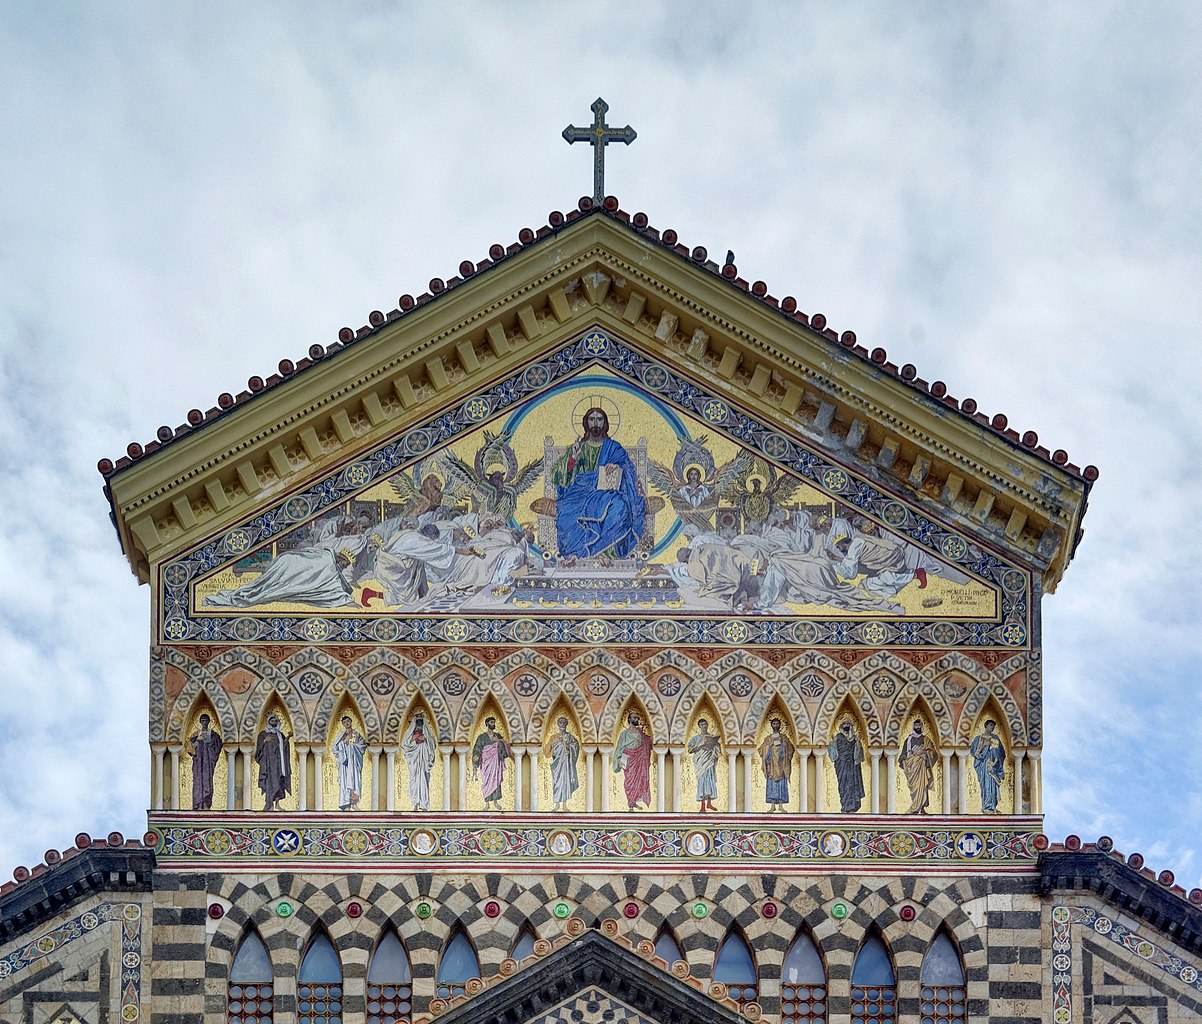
(488, 759)
(632, 757)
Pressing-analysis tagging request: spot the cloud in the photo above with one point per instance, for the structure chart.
(1000, 195)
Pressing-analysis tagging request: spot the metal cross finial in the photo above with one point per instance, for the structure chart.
(599, 136)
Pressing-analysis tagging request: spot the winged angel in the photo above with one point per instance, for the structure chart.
(756, 488)
(494, 480)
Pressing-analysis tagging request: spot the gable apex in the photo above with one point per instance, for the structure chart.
(593, 266)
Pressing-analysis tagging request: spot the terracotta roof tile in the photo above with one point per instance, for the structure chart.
(668, 239)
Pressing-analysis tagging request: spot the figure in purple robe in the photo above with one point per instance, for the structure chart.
(206, 747)
(488, 761)
(599, 509)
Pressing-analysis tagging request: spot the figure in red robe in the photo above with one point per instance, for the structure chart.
(632, 757)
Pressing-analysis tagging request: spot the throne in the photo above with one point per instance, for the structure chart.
(545, 507)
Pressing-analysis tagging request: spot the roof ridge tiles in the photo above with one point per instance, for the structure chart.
(1165, 878)
(668, 239)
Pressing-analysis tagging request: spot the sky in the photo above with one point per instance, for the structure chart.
(1006, 195)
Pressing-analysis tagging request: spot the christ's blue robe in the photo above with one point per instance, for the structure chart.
(590, 522)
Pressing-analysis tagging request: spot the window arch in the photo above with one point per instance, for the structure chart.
(735, 968)
(389, 982)
(873, 985)
(523, 944)
(457, 965)
(250, 992)
(319, 984)
(666, 946)
(803, 983)
(944, 995)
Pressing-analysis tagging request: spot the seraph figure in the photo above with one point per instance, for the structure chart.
(494, 480)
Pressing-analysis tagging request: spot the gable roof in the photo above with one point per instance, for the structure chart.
(592, 962)
(593, 261)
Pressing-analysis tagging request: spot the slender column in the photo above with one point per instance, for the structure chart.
(732, 772)
(947, 782)
(302, 764)
(962, 771)
(874, 789)
(590, 756)
(534, 754)
(676, 753)
(390, 781)
(231, 777)
(248, 768)
(820, 781)
(661, 756)
(891, 783)
(175, 763)
(1018, 782)
(803, 789)
(606, 786)
(319, 781)
(157, 795)
(377, 778)
(1034, 769)
(519, 759)
(748, 762)
(447, 751)
(462, 752)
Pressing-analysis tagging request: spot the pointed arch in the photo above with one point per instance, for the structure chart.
(394, 677)
(848, 771)
(272, 683)
(250, 992)
(319, 982)
(776, 769)
(344, 684)
(348, 770)
(989, 782)
(491, 765)
(198, 680)
(457, 965)
(274, 706)
(1008, 711)
(790, 704)
(203, 768)
(635, 781)
(543, 713)
(734, 967)
(506, 709)
(631, 681)
(833, 700)
(419, 768)
(943, 990)
(667, 948)
(389, 981)
(693, 693)
(803, 982)
(873, 982)
(911, 776)
(704, 766)
(561, 768)
(523, 942)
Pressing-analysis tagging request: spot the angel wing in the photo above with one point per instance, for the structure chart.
(662, 477)
(781, 486)
(526, 477)
(732, 477)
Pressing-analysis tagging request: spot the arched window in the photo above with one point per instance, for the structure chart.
(873, 988)
(250, 989)
(523, 945)
(944, 996)
(458, 964)
(735, 968)
(803, 984)
(319, 984)
(666, 946)
(389, 983)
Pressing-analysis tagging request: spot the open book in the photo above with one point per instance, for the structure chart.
(609, 478)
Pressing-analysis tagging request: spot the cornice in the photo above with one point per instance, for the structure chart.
(209, 474)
